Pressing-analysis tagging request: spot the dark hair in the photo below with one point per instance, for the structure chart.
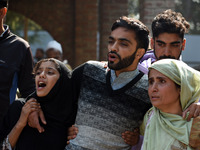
(37, 65)
(170, 22)
(3, 3)
(41, 50)
(140, 30)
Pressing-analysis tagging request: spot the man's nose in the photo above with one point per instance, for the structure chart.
(114, 47)
(167, 51)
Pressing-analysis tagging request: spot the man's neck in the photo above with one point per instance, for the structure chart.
(117, 72)
(2, 28)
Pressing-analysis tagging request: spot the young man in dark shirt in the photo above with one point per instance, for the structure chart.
(16, 64)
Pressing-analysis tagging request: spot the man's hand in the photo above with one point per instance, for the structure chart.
(194, 111)
(33, 120)
(131, 138)
(72, 133)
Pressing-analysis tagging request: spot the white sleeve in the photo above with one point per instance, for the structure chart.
(6, 144)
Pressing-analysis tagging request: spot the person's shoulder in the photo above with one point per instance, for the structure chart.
(17, 104)
(98, 64)
(91, 64)
(143, 82)
(18, 40)
(20, 101)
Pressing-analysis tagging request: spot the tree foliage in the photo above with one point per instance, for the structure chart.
(133, 8)
(17, 24)
(191, 11)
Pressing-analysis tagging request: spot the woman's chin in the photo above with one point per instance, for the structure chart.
(41, 94)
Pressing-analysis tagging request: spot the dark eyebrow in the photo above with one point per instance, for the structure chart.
(175, 42)
(121, 39)
(110, 37)
(159, 41)
(161, 78)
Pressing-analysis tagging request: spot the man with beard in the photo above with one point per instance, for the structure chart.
(168, 29)
(102, 92)
(168, 41)
(112, 100)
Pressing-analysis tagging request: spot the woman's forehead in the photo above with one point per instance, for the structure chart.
(154, 72)
(48, 64)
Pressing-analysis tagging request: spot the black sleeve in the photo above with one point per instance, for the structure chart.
(26, 82)
(10, 119)
(77, 75)
(76, 85)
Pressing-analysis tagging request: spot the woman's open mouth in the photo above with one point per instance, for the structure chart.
(41, 84)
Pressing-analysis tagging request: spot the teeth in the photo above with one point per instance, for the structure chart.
(40, 83)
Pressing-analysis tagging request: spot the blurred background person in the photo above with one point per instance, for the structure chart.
(54, 50)
(39, 54)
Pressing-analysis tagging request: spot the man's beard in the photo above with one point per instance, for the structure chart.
(123, 63)
(165, 56)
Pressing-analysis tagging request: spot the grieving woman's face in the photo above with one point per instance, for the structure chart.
(46, 77)
(163, 92)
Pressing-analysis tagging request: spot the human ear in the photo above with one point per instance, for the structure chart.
(183, 44)
(3, 12)
(140, 52)
(152, 43)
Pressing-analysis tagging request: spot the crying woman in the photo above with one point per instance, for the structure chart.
(53, 95)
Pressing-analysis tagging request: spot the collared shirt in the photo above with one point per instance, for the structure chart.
(122, 79)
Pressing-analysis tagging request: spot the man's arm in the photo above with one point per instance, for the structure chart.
(33, 120)
(194, 139)
(131, 137)
(72, 133)
(26, 83)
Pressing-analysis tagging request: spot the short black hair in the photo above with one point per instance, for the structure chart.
(140, 30)
(41, 50)
(170, 22)
(3, 3)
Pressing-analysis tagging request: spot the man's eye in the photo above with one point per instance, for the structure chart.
(176, 45)
(110, 42)
(160, 44)
(124, 44)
